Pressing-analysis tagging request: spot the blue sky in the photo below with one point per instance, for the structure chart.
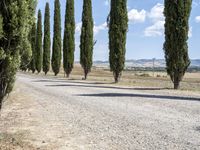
(145, 36)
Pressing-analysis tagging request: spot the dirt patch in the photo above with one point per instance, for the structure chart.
(15, 141)
(13, 118)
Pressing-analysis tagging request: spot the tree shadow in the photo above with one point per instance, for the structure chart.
(141, 96)
(92, 85)
(150, 96)
(70, 81)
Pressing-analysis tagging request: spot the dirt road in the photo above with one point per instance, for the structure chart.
(58, 114)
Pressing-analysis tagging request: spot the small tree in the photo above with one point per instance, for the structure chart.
(68, 41)
(47, 40)
(86, 43)
(118, 25)
(38, 47)
(177, 14)
(56, 55)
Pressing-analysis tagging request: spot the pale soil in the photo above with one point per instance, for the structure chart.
(51, 113)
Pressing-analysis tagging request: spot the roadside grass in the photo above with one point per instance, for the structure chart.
(148, 79)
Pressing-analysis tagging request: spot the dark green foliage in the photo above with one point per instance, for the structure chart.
(16, 21)
(177, 14)
(47, 40)
(68, 41)
(1, 26)
(56, 55)
(118, 25)
(25, 55)
(26, 51)
(86, 39)
(38, 46)
(32, 38)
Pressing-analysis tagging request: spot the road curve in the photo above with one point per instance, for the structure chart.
(70, 114)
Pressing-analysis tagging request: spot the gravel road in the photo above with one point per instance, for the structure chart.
(81, 115)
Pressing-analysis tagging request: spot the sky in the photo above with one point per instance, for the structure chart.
(145, 35)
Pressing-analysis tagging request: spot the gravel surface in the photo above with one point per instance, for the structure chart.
(61, 114)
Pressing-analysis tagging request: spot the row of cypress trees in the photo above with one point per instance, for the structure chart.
(18, 34)
(41, 55)
(41, 52)
(117, 56)
(175, 47)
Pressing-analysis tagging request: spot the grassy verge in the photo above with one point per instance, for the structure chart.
(191, 81)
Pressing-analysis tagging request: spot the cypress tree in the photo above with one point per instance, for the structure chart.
(68, 41)
(26, 50)
(38, 47)
(177, 14)
(118, 25)
(15, 23)
(47, 40)
(86, 39)
(56, 55)
(33, 40)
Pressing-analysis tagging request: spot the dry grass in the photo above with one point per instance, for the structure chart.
(191, 81)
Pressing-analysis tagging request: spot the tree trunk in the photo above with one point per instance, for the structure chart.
(176, 81)
(86, 73)
(177, 85)
(1, 104)
(116, 76)
(67, 75)
(1, 101)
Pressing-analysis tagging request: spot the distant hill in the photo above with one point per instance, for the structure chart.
(146, 63)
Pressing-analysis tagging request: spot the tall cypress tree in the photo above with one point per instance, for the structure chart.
(86, 39)
(32, 39)
(177, 14)
(56, 55)
(47, 40)
(16, 20)
(38, 47)
(68, 41)
(118, 25)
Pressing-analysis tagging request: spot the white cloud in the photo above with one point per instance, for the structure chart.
(156, 13)
(157, 18)
(78, 27)
(197, 19)
(157, 29)
(96, 29)
(99, 28)
(136, 16)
